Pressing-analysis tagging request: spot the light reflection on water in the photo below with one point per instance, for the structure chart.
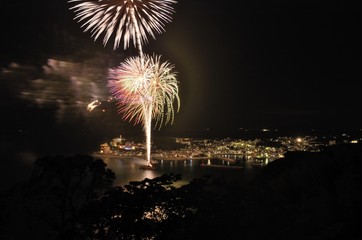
(127, 169)
(18, 168)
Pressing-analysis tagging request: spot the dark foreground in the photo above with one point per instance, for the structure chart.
(306, 195)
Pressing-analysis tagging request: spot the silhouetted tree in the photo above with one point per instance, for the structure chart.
(306, 195)
(140, 210)
(50, 201)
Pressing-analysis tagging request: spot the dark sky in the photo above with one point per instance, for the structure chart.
(241, 64)
(268, 63)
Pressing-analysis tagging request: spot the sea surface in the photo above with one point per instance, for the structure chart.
(20, 148)
(127, 169)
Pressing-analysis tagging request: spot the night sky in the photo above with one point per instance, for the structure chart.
(240, 64)
(291, 65)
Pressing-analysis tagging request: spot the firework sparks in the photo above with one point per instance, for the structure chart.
(133, 84)
(127, 19)
(145, 89)
(92, 105)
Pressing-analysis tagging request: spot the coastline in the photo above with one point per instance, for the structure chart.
(221, 166)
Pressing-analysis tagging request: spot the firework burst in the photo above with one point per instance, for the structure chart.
(123, 19)
(145, 89)
(150, 84)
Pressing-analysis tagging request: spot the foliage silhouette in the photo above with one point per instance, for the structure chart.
(306, 195)
(47, 206)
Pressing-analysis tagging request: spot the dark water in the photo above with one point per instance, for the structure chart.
(128, 169)
(21, 148)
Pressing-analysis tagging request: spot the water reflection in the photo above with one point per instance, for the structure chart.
(127, 169)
